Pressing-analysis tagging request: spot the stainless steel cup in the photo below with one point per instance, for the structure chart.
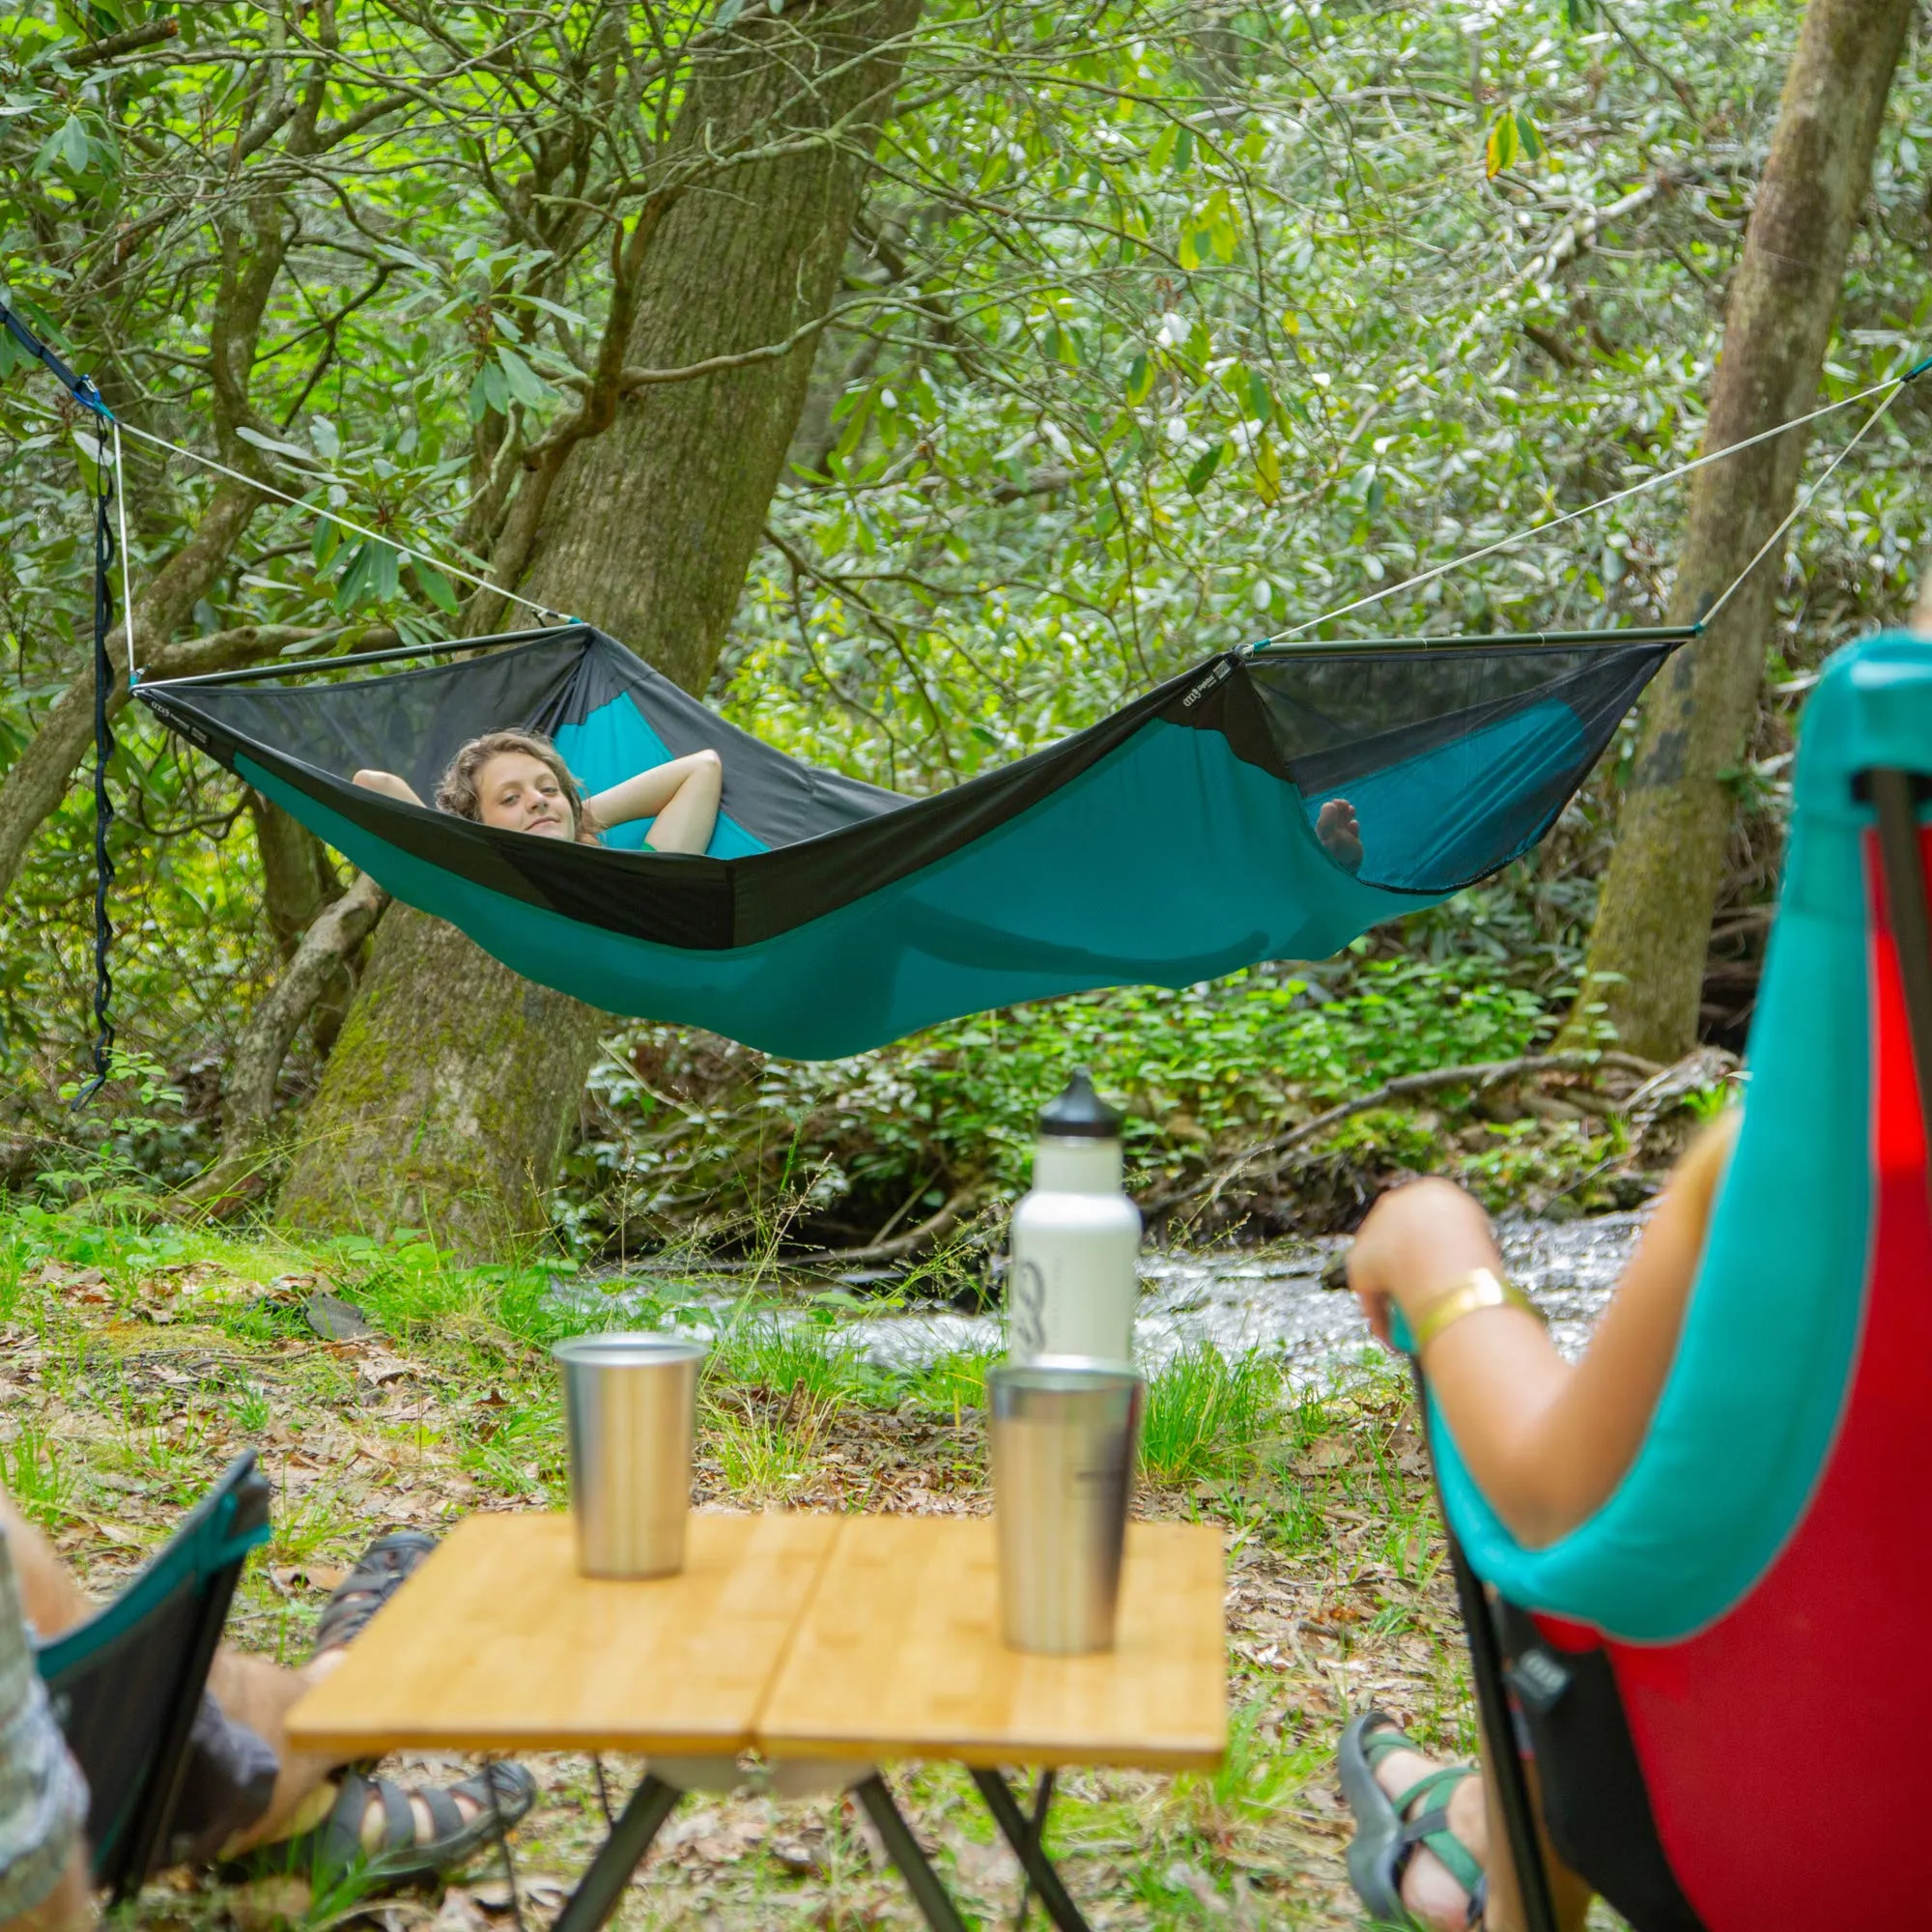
(1064, 1436)
(631, 1404)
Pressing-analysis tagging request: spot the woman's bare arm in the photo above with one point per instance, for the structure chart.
(1546, 1441)
(682, 795)
(389, 785)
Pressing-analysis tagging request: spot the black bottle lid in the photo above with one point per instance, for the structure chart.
(1080, 1112)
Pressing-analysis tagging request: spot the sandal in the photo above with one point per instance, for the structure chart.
(1387, 1837)
(380, 1571)
(334, 1850)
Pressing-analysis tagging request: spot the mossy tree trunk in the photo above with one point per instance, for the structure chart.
(1647, 953)
(454, 1085)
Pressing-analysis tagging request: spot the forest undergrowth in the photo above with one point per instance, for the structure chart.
(139, 1358)
(1278, 1101)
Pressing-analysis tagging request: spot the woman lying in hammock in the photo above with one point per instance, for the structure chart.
(518, 781)
(1547, 1442)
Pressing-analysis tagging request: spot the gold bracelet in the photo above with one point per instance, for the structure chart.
(1480, 1288)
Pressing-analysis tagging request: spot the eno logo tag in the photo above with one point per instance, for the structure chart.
(1205, 685)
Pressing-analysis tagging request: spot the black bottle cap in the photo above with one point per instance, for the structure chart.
(1080, 1112)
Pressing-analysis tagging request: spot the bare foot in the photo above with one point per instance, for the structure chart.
(1340, 830)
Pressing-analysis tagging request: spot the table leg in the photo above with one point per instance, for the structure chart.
(600, 1888)
(903, 1849)
(1025, 1840)
(1042, 1800)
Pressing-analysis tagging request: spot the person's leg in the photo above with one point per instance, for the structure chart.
(686, 820)
(51, 1598)
(67, 1908)
(43, 1876)
(251, 1691)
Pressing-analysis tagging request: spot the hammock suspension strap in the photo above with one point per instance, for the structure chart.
(107, 495)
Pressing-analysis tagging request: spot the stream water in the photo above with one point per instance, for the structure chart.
(1237, 1302)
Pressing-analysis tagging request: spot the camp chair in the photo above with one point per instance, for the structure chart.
(1720, 1676)
(126, 1685)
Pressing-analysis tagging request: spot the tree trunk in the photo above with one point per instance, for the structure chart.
(1646, 962)
(297, 875)
(446, 1102)
(453, 1085)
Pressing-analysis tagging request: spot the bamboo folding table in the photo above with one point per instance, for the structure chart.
(853, 1639)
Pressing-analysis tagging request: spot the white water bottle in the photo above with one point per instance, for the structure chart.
(1073, 1279)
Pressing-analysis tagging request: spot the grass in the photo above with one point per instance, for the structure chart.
(1206, 1413)
(130, 1387)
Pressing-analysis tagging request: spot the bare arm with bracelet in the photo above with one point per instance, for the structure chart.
(1545, 1440)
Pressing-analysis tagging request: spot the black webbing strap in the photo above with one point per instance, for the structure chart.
(103, 750)
(1901, 854)
(83, 390)
(80, 387)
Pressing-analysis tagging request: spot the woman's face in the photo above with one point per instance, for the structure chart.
(521, 793)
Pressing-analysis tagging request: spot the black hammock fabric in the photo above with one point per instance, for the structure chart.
(1173, 841)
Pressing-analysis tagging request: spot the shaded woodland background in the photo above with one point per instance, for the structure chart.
(916, 382)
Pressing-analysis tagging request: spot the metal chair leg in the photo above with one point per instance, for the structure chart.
(1025, 1840)
(903, 1849)
(601, 1888)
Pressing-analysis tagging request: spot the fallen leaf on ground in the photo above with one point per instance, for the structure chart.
(268, 1902)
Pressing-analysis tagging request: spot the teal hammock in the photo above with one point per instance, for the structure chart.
(1173, 841)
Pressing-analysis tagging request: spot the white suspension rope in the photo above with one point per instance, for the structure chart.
(1889, 388)
(297, 502)
(126, 576)
(361, 529)
(1894, 383)
(1803, 504)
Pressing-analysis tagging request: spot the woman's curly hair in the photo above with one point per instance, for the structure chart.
(456, 791)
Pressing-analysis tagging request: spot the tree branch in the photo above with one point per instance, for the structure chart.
(248, 1085)
(1481, 1074)
(127, 41)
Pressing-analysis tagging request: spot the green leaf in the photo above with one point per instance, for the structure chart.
(1139, 380)
(1183, 151)
(68, 148)
(434, 585)
(1204, 466)
(322, 434)
(324, 542)
(496, 388)
(261, 441)
(526, 387)
(728, 13)
(1189, 250)
(1527, 138)
(371, 576)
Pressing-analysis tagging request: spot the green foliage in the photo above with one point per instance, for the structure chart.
(1206, 1412)
(36, 1477)
(954, 1107)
